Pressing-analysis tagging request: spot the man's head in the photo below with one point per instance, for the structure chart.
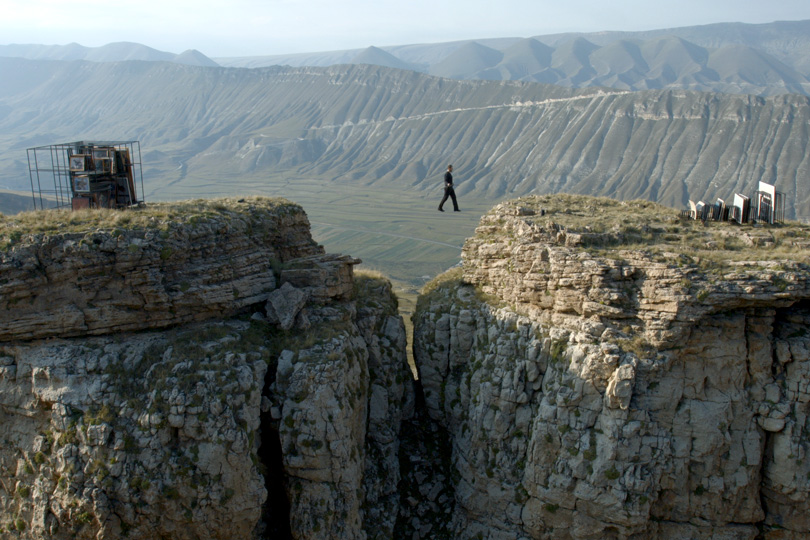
(450, 168)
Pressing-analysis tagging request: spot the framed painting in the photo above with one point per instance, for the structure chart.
(81, 184)
(77, 162)
(103, 165)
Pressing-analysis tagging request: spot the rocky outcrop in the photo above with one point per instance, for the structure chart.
(606, 370)
(196, 370)
(339, 395)
(149, 434)
(189, 263)
(594, 370)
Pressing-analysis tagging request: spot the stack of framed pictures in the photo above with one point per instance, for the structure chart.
(101, 176)
(741, 209)
(766, 206)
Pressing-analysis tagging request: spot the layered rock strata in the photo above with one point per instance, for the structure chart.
(183, 265)
(142, 435)
(337, 400)
(617, 382)
(171, 354)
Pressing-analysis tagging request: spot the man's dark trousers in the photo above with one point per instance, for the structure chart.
(449, 192)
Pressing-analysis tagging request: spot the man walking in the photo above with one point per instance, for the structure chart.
(448, 190)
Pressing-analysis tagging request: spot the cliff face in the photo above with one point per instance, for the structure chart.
(196, 370)
(595, 369)
(341, 389)
(636, 380)
(184, 265)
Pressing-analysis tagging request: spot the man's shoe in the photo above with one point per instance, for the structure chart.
(456, 210)
(440, 210)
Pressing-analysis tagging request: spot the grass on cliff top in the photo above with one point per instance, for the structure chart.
(371, 286)
(608, 224)
(150, 216)
(437, 289)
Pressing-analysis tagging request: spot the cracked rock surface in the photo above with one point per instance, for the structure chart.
(616, 392)
(147, 372)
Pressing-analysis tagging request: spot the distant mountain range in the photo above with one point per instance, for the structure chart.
(761, 59)
(208, 130)
(112, 52)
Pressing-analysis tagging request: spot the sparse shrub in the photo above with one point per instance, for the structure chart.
(637, 345)
(557, 351)
(521, 495)
(227, 495)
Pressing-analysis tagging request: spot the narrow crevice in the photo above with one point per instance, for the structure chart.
(275, 522)
(426, 487)
(276, 512)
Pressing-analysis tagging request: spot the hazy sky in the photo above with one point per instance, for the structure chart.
(257, 27)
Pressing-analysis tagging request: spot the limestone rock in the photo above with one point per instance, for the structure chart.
(112, 455)
(589, 392)
(340, 405)
(284, 305)
(620, 387)
(102, 281)
(155, 408)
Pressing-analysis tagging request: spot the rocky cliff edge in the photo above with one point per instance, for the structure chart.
(190, 370)
(608, 369)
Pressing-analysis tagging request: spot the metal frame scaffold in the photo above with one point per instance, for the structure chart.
(51, 165)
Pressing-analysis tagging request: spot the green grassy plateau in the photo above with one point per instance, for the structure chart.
(393, 229)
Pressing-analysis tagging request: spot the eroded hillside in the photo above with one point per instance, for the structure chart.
(209, 131)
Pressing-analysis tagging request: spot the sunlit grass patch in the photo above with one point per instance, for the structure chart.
(154, 216)
(606, 226)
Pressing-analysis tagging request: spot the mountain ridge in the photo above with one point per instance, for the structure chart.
(111, 52)
(778, 49)
(784, 44)
(375, 126)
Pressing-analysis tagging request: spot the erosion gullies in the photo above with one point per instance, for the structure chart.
(395, 130)
(603, 377)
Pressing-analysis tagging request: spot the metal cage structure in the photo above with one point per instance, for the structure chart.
(770, 207)
(86, 174)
